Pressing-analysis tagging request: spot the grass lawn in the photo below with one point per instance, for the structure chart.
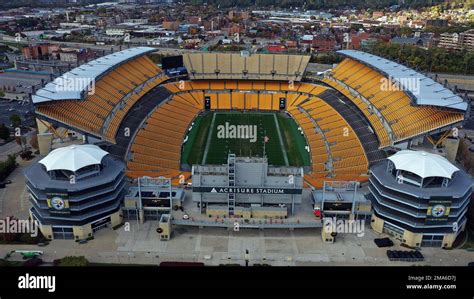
(210, 140)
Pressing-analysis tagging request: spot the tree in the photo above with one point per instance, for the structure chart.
(4, 132)
(33, 262)
(436, 60)
(73, 261)
(406, 31)
(6, 167)
(15, 119)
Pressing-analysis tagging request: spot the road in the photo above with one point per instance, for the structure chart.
(211, 42)
(12, 147)
(107, 48)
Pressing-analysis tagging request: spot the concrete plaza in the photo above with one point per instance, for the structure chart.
(136, 243)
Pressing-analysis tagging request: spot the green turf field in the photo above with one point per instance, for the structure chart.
(216, 134)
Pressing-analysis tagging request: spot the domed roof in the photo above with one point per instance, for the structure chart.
(423, 164)
(73, 157)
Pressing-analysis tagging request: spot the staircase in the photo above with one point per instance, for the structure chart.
(231, 175)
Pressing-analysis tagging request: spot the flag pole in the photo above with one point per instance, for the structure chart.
(264, 135)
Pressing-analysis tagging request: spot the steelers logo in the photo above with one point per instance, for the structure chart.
(438, 211)
(57, 203)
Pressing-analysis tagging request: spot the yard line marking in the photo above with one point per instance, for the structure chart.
(209, 137)
(283, 149)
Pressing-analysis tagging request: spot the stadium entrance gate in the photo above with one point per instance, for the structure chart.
(432, 240)
(100, 224)
(62, 233)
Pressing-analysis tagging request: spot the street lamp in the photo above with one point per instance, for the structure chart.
(247, 257)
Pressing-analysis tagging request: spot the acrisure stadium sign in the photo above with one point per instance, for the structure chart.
(247, 190)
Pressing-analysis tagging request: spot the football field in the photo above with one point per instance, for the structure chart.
(216, 134)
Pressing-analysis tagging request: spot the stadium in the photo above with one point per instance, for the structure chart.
(160, 125)
(202, 108)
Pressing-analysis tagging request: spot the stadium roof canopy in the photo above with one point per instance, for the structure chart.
(74, 84)
(73, 157)
(421, 89)
(423, 164)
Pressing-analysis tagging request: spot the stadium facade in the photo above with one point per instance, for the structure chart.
(419, 198)
(76, 191)
(149, 198)
(341, 200)
(247, 187)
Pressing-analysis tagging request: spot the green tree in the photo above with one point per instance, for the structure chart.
(436, 60)
(73, 261)
(15, 119)
(406, 31)
(4, 132)
(6, 167)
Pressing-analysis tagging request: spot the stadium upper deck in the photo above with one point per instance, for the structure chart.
(415, 106)
(254, 67)
(95, 97)
(421, 89)
(73, 85)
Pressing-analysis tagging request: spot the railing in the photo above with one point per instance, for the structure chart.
(249, 224)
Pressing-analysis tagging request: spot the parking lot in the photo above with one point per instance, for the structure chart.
(22, 82)
(23, 109)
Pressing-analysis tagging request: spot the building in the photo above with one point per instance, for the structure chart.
(341, 200)
(41, 51)
(247, 186)
(419, 198)
(194, 19)
(276, 48)
(323, 43)
(171, 25)
(151, 198)
(76, 191)
(136, 21)
(75, 55)
(244, 15)
(377, 14)
(437, 22)
(457, 41)
(356, 39)
(412, 41)
(118, 30)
